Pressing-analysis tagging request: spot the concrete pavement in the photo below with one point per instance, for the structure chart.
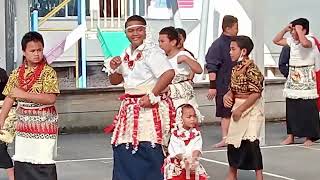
(89, 156)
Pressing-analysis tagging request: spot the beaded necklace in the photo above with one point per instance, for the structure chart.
(26, 82)
(131, 62)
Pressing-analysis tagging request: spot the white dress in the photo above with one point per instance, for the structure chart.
(181, 90)
(183, 142)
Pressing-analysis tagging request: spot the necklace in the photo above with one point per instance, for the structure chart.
(131, 62)
(186, 135)
(26, 82)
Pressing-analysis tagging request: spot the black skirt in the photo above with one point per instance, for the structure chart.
(28, 171)
(247, 156)
(5, 159)
(303, 118)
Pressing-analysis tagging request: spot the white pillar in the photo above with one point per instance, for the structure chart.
(130, 7)
(203, 36)
(257, 17)
(23, 24)
(2, 36)
(7, 16)
(10, 11)
(137, 7)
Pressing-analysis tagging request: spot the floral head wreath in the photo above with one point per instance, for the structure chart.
(179, 122)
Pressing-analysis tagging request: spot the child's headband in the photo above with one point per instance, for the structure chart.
(132, 26)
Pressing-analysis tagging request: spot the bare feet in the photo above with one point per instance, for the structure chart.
(308, 143)
(288, 140)
(221, 144)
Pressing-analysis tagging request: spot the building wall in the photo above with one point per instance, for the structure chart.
(276, 15)
(280, 13)
(95, 108)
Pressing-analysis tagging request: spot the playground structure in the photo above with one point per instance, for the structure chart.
(79, 35)
(198, 16)
(108, 29)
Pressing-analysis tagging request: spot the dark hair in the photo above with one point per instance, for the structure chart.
(303, 22)
(182, 106)
(182, 32)
(244, 42)
(228, 21)
(135, 18)
(171, 33)
(31, 36)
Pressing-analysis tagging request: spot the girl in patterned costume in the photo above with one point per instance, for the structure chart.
(181, 90)
(300, 88)
(247, 117)
(34, 86)
(5, 159)
(185, 148)
(142, 126)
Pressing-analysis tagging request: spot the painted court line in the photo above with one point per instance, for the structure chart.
(262, 147)
(265, 173)
(312, 148)
(210, 151)
(81, 160)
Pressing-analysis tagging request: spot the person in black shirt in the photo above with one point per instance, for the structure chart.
(284, 61)
(5, 159)
(219, 66)
(3, 82)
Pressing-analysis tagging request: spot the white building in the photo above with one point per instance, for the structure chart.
(258, 19)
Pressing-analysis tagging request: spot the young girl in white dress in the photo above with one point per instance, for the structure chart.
(185, 148)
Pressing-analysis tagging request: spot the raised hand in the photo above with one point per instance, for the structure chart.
(115, 62)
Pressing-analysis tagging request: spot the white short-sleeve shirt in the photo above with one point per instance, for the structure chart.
(146, 71)
(182, 68)
(299, 55)
(178, 146)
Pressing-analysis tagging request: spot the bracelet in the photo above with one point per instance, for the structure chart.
(213, 84)
(112, 71)
(153, 99)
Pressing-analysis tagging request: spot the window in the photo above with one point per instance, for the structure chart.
(73, 8)
(45, 6)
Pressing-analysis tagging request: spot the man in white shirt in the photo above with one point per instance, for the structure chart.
(146, 116)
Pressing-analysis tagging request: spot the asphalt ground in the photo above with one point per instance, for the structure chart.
(89, 157)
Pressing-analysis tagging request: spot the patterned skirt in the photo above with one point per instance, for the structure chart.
(134, 124)
(36, 140)
(183, 93)
(174, 169)
(243, 138)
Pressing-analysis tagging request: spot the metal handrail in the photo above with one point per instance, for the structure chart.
(54, 11)
(55, 29)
